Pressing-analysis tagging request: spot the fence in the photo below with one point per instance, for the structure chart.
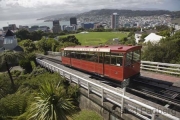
(161, 67)
(53, 53)
(119, 99)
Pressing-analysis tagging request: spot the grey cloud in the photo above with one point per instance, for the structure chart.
(17, 10)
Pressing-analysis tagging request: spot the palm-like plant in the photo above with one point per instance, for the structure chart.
(51, 104)
(9, 56)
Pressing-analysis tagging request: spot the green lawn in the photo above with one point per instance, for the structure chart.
(95, 38)
(87, 115)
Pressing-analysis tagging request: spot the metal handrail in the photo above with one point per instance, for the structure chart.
(89, 84)
(161, 67)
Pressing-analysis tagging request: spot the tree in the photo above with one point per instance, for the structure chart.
(167, 50)
(23, 34)
(71, 39)
(52, 103)
(162, 27)
(165, 33)
(28, 45)
(36, 35)
(8, 56)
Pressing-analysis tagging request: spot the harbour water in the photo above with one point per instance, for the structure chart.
(30, 22)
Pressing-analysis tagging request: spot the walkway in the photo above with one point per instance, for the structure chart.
(175, 80)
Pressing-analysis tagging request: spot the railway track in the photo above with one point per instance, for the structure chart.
(162, 92)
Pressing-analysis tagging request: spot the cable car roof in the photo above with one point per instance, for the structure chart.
(111, 48)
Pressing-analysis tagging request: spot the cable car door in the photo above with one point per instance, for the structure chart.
(99, 65)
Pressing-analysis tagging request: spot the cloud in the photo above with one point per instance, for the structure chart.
(75, 3)
(12, 9)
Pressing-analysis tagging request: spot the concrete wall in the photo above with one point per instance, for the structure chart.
(108, 111)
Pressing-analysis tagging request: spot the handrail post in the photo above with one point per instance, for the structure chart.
(157, 67)
(78, 81)
(122, 101)
(102, 98)
(63, 74)
(89, 88)
(153, 114)
(70, 79)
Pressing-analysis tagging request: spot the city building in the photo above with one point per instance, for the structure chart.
(23, 27)
(44, 28)
(5, 28)
(69, 28)
(127, 25)
(138, 36)
(56, 26)
(34, 28)
(63, 27)
(87, 25)
(10, 41)
(114, 21)
(12, 27)
(73, 21)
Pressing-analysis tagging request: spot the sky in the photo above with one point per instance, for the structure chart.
(26, 9)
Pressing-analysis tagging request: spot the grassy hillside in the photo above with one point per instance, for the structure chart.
(95, 38)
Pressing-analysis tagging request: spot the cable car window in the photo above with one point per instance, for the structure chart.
(129, 58)
(73, 54)
(100, 57)
(78, 55)
(137, 56)
(92, 56)
(68, 54)
(83, 55)
(65, 53)
(113, 60)
(117, 59)
(107, 58)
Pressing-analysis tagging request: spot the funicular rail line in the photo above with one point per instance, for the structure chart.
(147, 93)
(109, 94)
(157, 96)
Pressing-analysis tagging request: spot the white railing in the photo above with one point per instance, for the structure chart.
(161, 67)
(53, 53)
(140, 109)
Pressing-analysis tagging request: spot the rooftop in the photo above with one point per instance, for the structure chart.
(9, 33)
(117, 48)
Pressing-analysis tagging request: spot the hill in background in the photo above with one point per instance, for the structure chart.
(108, 12)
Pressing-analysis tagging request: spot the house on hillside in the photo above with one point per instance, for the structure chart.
(153, 38)
(9, 42)
(138, 34)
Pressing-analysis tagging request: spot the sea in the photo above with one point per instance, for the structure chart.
(30, 22)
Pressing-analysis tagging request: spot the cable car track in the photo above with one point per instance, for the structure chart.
(168, 100)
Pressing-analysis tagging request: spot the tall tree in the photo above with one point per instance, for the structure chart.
(9, 56)
(28, 45)
(52, 103)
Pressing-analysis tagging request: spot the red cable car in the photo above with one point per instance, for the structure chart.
(116, 62)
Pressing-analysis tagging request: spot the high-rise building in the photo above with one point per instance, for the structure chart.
(5, 28)
(73, 21)
(56, 23)
(87, 25)
(114, 21)
(12, 26)
(56, 26)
